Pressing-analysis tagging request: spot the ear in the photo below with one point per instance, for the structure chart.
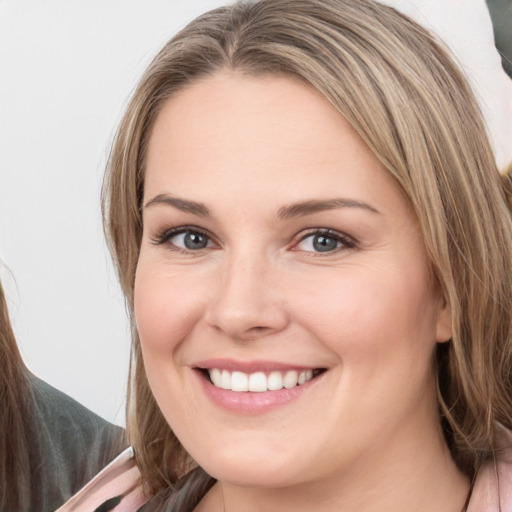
(444, 322)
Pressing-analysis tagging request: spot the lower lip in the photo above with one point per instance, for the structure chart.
(253, 402)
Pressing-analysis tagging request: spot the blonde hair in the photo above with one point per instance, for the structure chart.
(410, 103)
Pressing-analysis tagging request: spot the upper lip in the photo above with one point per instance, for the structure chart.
(251, 366)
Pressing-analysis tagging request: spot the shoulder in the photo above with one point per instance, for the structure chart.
(71, 425)
(116, 488)
(74, 443)
(58, 407)
(493, 484)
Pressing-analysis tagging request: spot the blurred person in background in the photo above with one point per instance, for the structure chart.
(50, 445)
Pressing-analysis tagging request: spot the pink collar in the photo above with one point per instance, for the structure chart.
(120, 478)
(492, 491)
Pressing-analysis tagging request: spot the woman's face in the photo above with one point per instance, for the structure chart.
(279, 256)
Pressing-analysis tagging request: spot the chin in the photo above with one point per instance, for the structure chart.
(259, 470)
(254, 477)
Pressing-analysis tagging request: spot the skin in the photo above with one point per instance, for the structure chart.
(365, 435)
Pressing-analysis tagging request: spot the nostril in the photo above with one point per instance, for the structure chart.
(258, 329)
(255, 332)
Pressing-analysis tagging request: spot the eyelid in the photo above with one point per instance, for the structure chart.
(347, 241)
(164, 236)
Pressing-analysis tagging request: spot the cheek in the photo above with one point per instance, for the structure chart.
(166, 308)
(364, 314)
(381, 326)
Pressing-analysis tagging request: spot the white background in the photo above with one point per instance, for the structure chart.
(67, 68)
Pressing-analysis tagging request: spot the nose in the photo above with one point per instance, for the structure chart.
(247, 304)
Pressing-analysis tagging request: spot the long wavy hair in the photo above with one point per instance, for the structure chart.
(401, 91)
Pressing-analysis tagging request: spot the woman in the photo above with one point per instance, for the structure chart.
(315, 247)
(50, 445)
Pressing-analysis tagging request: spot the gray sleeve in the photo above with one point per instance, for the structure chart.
(73, 445)
(501, 15)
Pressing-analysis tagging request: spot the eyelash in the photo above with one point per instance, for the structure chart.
(345, 241)
(168, 234)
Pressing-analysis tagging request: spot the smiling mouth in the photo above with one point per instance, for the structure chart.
(259, 382)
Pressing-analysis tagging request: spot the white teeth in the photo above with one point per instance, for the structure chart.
(275, 381)
(226, 380)
(216, 377)
(239, 381)
(258, 382)
(290, 379)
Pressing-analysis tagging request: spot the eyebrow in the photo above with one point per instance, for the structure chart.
(300, 209)
(199, 209)
(304, 208)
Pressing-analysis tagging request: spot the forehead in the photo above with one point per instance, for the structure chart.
(270, 137)
(247, 109)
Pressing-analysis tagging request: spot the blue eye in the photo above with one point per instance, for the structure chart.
(184, 239)
(190, 240)
(324, 241)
